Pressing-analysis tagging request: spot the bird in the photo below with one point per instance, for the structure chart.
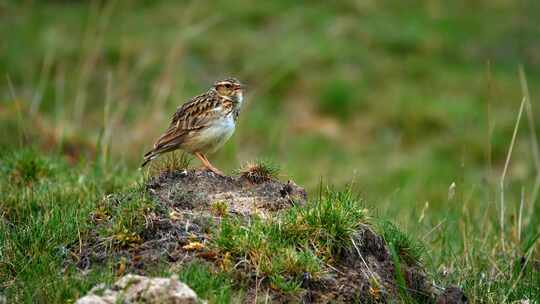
(203, 124)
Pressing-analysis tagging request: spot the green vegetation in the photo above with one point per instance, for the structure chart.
(415, 102)
(126, 214)
(41, 216)
(404, 251)
(409, 250)
(294, 243)
(215, 287)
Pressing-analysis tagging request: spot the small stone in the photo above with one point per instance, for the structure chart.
(141, 289)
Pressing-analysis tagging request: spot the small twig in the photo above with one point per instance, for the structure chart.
(364, 261)
(334, 269)
(267, 296)
(256, 288)
(242, 261)
(506, 164)
(80, 238)
(433, 229)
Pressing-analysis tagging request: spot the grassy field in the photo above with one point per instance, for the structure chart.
(420, 105)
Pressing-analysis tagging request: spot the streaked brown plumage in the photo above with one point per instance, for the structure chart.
(203, 124)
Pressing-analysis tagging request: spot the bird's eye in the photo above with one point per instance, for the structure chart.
(228, 85)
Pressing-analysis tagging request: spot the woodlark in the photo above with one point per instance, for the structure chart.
(203, 124)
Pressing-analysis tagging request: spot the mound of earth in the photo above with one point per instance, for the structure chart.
(191, 203)
(198, 191)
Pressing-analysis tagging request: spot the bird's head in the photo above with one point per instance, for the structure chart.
(230, 88)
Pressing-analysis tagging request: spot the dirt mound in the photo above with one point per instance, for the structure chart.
(189, 205)
(199, 191)
(366, 273)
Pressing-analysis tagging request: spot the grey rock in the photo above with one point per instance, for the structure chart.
(141, 289)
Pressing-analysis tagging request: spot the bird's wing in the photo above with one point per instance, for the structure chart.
(193, 115)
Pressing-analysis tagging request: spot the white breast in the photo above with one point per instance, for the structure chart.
(213, 137)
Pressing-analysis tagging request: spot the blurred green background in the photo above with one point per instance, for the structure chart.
(395, 96)
(402, 98)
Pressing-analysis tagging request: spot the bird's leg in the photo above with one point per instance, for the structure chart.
(211, 167)
(202, 159)
(207, 163)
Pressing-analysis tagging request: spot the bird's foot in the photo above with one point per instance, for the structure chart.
(208, 165)
(213, 170)
(216, 171)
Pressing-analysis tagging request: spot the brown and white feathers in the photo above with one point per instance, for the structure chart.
(204, 123)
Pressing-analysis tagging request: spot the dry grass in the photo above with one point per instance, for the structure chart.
(259, 171)
(169, 162)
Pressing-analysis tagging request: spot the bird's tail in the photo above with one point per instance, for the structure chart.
(149, 156)
(154, 153)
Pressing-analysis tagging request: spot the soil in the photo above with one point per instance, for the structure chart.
(199, 190)
(186, 212)
(191, 203)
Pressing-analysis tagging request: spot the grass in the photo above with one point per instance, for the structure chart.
(169, 162)
(63, 204)
(41, 216)
(393, 97)
(216, 287)
(127, 217)
(404, 251)
(298, 242)
(408, 250)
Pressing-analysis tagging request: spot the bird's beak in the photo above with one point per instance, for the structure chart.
(239, 87)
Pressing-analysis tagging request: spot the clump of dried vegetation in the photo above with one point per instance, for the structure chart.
(259, 171)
